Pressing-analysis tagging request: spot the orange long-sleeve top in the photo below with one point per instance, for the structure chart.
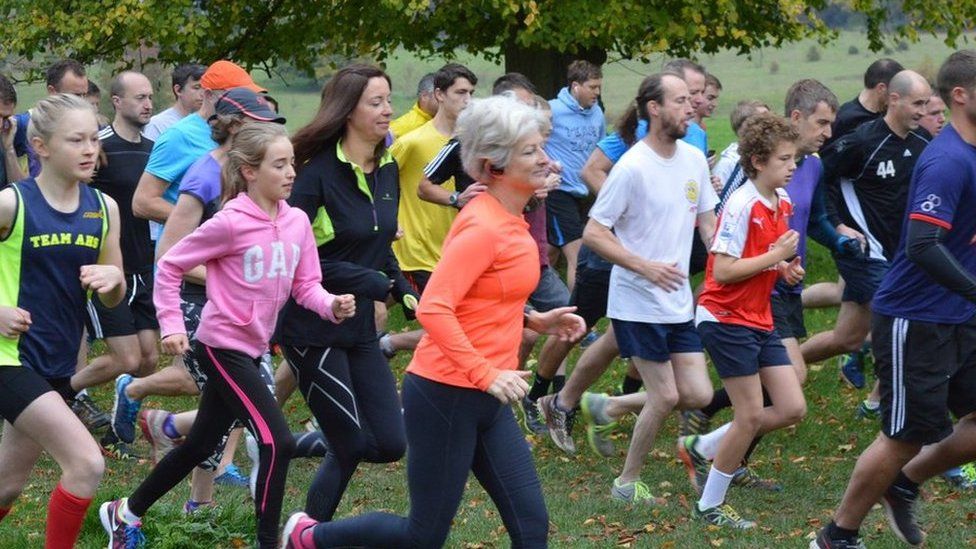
(472, 307)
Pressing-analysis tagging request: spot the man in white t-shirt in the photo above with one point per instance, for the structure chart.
(643, 222)
(189, 98)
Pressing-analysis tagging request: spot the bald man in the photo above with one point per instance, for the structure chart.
(867, 174)
(130, 329)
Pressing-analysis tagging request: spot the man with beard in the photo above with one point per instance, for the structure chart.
(643, 222)
(130, 330)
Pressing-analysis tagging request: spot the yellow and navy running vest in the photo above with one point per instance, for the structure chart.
(40, 266)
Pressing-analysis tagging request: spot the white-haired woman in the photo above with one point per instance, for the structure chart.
(464, 373)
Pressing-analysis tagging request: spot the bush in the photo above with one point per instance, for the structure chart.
(813, 54)
(853, 50)
(773, 67)
(902, 45)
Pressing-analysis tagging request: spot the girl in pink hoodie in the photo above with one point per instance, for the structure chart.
(257, 251)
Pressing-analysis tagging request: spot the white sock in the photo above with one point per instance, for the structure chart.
(707, 444)
(125, 514)
(713, 494)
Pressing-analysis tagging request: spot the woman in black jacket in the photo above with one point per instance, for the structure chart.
(348, 184)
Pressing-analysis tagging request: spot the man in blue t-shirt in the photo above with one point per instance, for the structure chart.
(180, 146)
(577, 125)
(924, 330)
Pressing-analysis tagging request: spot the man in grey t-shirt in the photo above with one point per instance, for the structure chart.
(189, 97)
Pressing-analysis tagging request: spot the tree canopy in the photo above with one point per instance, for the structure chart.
(302, 32)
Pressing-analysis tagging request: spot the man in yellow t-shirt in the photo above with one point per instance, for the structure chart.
(422, 111)
(424, 224)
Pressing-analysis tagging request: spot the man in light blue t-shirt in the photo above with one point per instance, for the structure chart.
(180, 146)
(577, 125)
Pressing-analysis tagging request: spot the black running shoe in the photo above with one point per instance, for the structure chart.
(824, 542)
(89, 413)
(900, 506)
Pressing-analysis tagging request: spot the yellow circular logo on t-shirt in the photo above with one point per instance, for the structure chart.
(691, 191)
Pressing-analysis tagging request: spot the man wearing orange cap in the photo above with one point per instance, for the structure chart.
(181, 145)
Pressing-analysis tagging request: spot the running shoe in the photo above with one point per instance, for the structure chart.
(191, 506)
(297, 533)
(589, 338)
(124, 410)
(251, 445)
(232, 476)
(722, 515)
(89, 413)
(694, 422)
(532, 418)
(868, 410)
(599, 426)
(824, 542)
(120, 534)
(745, 478)
(961, 478)
(151, 423)
(852, 369)
(696, 464)
(117, 449)
(559, 423)
(901, 510)
(969, 473)
(634, 493)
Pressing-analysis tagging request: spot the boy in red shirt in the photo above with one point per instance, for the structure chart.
(753, 246)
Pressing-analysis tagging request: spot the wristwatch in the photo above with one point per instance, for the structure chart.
(453, 199)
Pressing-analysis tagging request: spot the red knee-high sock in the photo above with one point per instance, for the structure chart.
(4, 511)
(65, 513)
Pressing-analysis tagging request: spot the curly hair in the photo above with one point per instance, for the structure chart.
(759, 137)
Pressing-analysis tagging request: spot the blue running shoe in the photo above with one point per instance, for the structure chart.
(232, 476)
(852, 370)
(124, 411)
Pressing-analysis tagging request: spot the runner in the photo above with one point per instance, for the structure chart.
(129, 329)
(10, 170)
(464, 373)
(248, 247)
(753, 249)
(60, 240)
(198, 202)
(867, 174)
(422, 111)
(188, 91)
(660, 187)
(924, 332)
(348, 186)
(577, 125)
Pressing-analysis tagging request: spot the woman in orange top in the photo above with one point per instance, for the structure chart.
(464, 372)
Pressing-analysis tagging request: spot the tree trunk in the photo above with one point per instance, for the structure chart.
(547, 68)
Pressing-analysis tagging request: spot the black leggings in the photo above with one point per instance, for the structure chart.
(352, 393)
(234, 391)
(453, 431)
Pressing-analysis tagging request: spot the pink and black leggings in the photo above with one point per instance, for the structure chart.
(234, 391)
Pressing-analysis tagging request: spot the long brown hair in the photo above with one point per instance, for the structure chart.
(339, 98)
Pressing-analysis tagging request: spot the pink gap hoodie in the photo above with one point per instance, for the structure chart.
(253, 264)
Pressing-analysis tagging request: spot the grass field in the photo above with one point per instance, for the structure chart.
(812, 460)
